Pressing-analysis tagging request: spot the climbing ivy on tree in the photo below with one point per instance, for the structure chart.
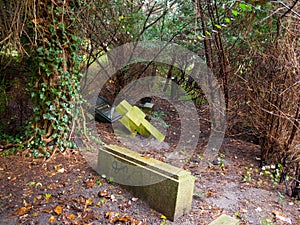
(54, 82)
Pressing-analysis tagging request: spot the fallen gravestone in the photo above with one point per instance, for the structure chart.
(134, 120)
(165, 188)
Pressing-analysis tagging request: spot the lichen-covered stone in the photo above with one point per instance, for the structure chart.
(134, 120)
(166, 188)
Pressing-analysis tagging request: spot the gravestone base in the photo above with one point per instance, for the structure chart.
(166, 188)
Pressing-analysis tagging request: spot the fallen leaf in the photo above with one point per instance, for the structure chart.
(125, 218)
(216, 209)
(46, 210)
(58, 209)
(51, 219)
(280, 216)
(103, 194)
(90, 183)
(88, 216)
(111, 217)
(163, 217)
(21, 211)
(88, 202)
(38, 197)
(209, 194)
(71, 216)
(109, 214)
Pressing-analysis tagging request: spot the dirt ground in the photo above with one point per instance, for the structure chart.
(66, 190)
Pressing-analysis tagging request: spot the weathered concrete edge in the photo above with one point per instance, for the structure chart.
(175, 192)
(150, 163)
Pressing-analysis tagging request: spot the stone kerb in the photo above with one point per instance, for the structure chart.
(165, 188)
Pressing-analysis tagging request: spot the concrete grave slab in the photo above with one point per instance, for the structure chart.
(165, 188)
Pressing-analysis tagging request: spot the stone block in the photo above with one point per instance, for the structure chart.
(123, 107)
(152, 130)
(225, 220)
(131, 126)
(136, 115)
(165, 188)
(142, 130)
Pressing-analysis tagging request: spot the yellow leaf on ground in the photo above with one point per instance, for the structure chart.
(88, 202)
(163, 217)
(71, 216)
(21, 211)
(58, 210)
(51, 219)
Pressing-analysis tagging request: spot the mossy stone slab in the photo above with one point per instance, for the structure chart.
(136, 115)
(153, 131)
(166, 188)
(123, 107)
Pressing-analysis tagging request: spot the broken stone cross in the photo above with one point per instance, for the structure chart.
(134, 120)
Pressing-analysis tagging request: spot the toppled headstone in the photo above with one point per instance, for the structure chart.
(225, 220)
(166, 188)
(134, 120)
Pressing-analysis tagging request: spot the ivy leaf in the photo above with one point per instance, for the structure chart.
(245, 7)
(227, 20)
(234, 12)
(218, 26)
